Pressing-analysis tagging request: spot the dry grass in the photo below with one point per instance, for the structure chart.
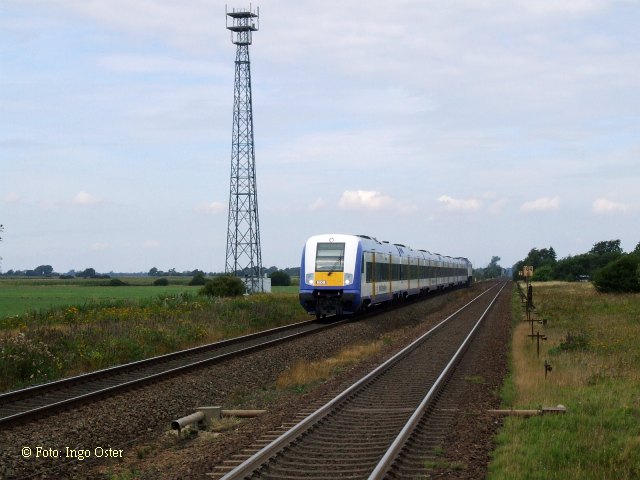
(592, 345)
(608, 323)
(303, 373)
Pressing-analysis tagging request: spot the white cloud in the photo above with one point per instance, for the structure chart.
(84, 198)
(318, 204)
(603, 206)
(541, 204)
(459, 205)
(98, 247)
(370, 200)
(213, 208)
(11, 197)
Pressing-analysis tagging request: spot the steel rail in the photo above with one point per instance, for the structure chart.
(392, 453)
(261, 457)
(46, 388)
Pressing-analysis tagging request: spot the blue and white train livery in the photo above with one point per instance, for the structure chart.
(344, 274)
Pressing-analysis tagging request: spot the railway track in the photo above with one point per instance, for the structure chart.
(29, 403)
(380, 426)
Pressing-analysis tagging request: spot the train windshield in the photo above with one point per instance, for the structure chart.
(330, 257)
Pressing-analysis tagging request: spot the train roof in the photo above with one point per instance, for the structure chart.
(387, 245)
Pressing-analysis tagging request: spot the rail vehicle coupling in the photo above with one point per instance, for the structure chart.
(328, 302)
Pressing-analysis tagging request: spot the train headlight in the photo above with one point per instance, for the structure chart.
(308, 278)
(348, 278)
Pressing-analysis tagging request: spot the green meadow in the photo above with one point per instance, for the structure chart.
(593, 346)
(19, 297)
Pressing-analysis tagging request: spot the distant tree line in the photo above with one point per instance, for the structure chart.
(279, 277)
(46, 271)
(493, 270)
(606, 265)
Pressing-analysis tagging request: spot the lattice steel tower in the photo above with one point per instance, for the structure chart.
(244, 258)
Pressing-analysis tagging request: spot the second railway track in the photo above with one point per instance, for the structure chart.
(33, 402)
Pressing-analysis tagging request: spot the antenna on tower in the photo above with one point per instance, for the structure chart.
(244, 257)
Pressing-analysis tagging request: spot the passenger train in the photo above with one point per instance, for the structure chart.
(345, 274)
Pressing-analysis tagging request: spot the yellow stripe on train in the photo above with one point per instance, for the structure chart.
(328, 279)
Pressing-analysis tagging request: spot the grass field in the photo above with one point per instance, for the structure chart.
(21, 298)
(593, 346)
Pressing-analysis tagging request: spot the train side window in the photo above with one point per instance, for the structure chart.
(395, 271)
(381, 272)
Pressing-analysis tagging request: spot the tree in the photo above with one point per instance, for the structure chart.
(87, 273)
(572, 267)
(621, 275)
(280, 279)
(153, 272)
(43, 271)
(223, 286)
(198, 279)
(543, 274)
(537, 258)
(493, 270)
(606, 247)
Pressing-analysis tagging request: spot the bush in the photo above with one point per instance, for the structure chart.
(198, 279)
(223, 286)
(621, 275)
(280, 279)
(543, 274)
(116, 282)
(161, 282)
(24, 361)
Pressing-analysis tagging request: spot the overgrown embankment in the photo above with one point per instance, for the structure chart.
(592, 347)
(62, 341)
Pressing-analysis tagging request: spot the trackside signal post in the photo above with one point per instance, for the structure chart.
(244, 257)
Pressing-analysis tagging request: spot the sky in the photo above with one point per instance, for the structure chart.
(472, 128)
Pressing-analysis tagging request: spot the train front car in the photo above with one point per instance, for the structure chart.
(330, 275)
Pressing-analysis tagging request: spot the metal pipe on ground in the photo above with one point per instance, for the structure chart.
(180, 423)
(242, 413)
(530, 413)
(203, 415)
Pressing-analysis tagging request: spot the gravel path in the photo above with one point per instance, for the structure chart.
(135, 425)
